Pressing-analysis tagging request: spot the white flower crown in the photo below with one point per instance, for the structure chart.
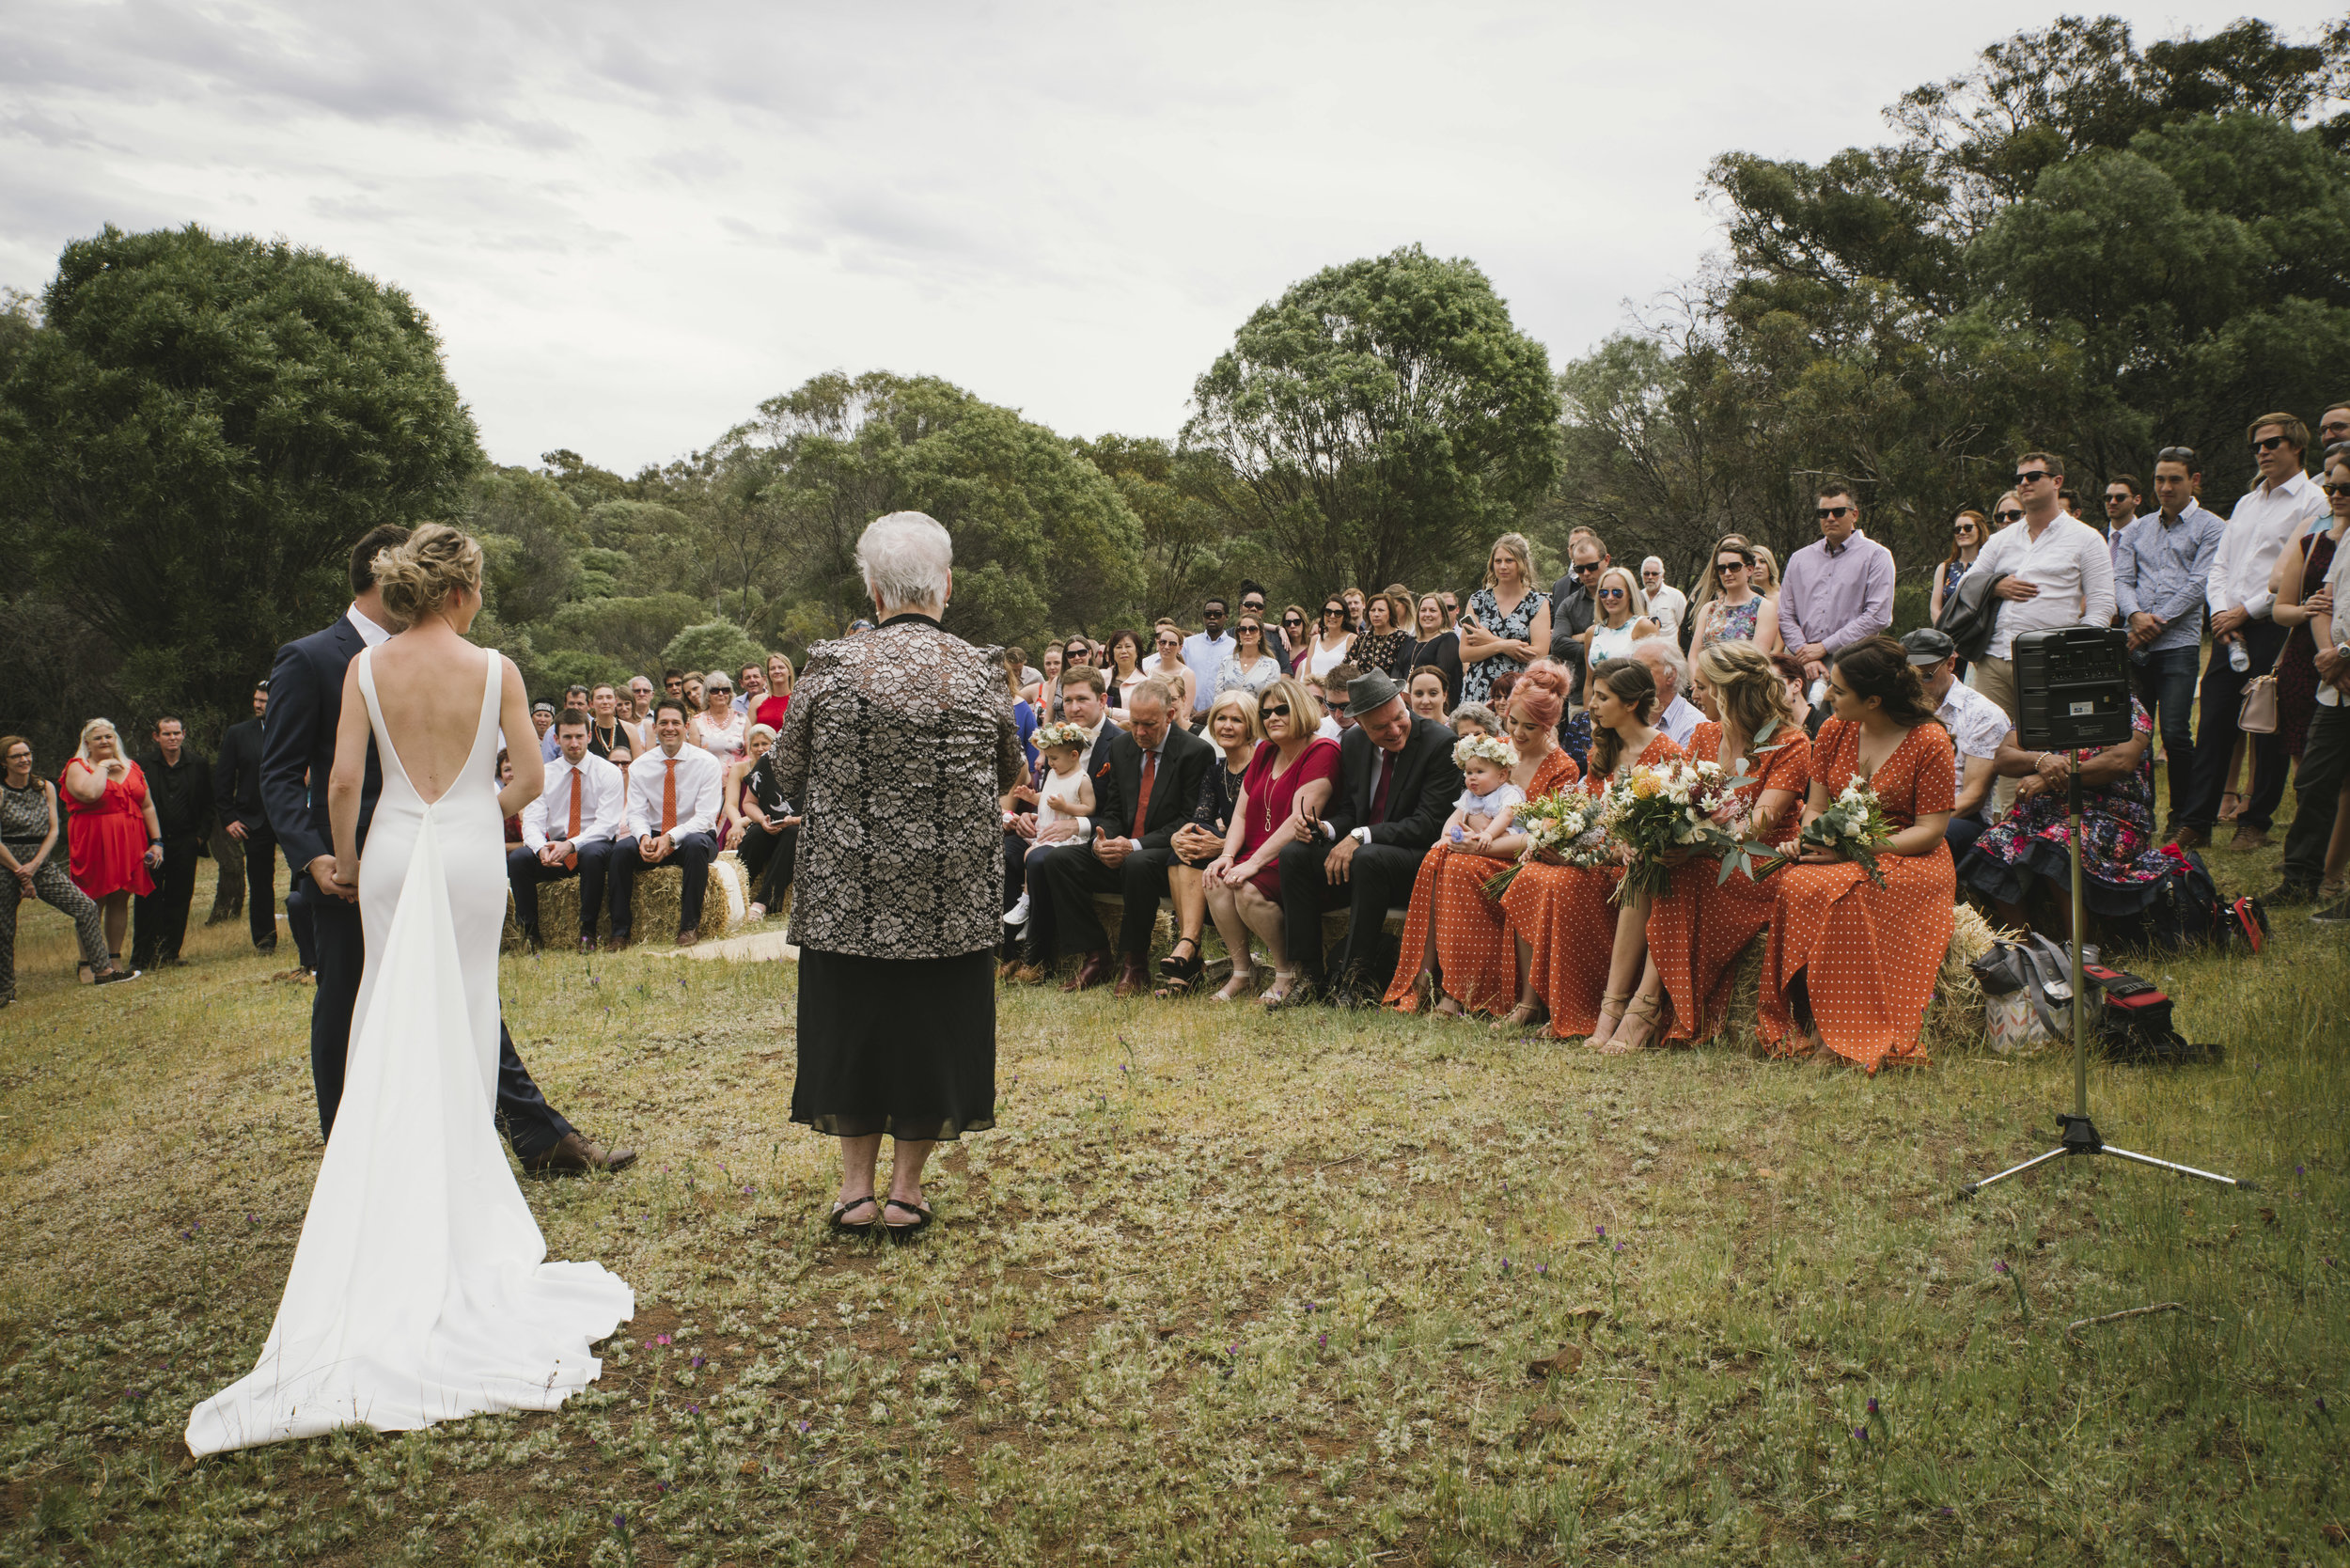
(1484, 748)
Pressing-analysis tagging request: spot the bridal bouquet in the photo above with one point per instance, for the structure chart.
(1650, 810)
(1565, 826)
(1855, 824)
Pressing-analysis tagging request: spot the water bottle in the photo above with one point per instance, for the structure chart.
(2239, 660)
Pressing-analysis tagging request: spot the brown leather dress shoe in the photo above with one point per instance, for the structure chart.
(1033, 974)
(576, 1156)
(690, 935)
(2249, 838)
(2192, 837)
(1092, 972)
(1132, 979)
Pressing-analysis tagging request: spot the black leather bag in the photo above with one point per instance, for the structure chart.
(1972, 613)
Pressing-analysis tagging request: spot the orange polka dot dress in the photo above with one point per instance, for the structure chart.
(1476, 961)
(1562, 914)
(1868, 955)
(1698, 926)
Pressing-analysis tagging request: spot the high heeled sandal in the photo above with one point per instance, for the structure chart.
(1519, 1017)
(1611, 1008)
(1646, 1011)
(1177, 976)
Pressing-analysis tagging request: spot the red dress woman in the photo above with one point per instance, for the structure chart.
(1453, 931)
(1865, 958)
(106, 837)
(1698, 926)
(1583, 953)
(1292, 767)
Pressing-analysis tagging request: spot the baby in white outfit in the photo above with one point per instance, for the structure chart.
(1482, 813)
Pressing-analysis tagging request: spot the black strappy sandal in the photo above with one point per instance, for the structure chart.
(907, 1232)
(1177, 976)
(845, 1227)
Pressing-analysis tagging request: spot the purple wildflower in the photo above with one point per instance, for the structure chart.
(2000, 1265)
(1323, 1343)
(1872, 1405)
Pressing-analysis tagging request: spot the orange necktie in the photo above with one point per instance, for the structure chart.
(668, 796)
(571, 834)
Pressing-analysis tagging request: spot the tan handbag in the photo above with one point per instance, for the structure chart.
(2257, 714)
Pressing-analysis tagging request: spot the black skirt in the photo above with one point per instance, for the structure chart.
(897, 1045)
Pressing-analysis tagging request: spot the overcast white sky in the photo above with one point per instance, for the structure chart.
(632, 222)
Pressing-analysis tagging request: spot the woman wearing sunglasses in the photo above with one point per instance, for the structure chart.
(1247, 668)
(1730, 607)
(1292, 776)
(1968, 531)
(1622, 619)
(1331, 643)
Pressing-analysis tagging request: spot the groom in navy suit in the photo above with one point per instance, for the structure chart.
(297, 753)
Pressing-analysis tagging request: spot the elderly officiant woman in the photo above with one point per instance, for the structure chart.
(899, 743)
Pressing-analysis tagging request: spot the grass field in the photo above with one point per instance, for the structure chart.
(1325, 1288)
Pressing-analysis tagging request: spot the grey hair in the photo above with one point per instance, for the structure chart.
(1656, 561)
(905, 558)
(1667, 651)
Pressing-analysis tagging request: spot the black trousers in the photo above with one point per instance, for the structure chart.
(525, 873)
(159, 921)
(529, 1124)
(1023, 870)
(2222, 695)
(2317, 795)
(1380, 878)
(260, 885)
(1070, 879)
(691, 852)
(766, 858)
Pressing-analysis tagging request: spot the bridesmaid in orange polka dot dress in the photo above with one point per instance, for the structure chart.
(1579, 954)
(1453, 934)
(1698, 926)
(1863, 959)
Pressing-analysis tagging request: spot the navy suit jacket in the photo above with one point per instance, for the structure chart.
(305, 704)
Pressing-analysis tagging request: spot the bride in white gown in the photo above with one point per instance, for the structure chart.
(420, 1290)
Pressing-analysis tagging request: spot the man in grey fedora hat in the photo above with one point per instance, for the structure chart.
(1396, 786)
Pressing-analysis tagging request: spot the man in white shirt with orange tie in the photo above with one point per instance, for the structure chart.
(672, 809)
(569, 831)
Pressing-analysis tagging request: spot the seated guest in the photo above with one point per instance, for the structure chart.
(1976, 727)
(1249, 668)
(718, 728)
(1676, 716)
(1146, 779)
(1290, 778)
(2027, 852)
(672, 808)
(543, 720)
(766, 830)
(1030, 838)
(1338, 702)
(1396, 782)
(1851, 966)
(609, 735)
(568, 831)
(1455, 946)
(737, 780)
(1231, 728)
(1563, 917)
(1799, 693)
(1698, 926)
(505, 776)
(1427, 692)
(1024, 717)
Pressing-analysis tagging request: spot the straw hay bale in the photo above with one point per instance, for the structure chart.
(1954, 1020)
(652, 908)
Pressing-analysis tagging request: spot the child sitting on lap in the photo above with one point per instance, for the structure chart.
(1066, 797)
(1489, 799)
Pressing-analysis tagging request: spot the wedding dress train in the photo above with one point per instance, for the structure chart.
(420, 1290)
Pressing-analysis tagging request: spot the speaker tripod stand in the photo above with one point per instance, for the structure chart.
(2078, 1136)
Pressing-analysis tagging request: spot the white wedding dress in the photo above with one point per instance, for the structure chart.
(420, 1290)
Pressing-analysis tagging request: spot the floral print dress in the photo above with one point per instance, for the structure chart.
(2121, 858)
(1477, 681)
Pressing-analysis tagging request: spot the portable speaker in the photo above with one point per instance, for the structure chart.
(2072, 688)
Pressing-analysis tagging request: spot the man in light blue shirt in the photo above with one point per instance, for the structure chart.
(2161, 568)
(1205, 652)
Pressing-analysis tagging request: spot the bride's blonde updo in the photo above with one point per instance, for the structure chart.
(417, 577)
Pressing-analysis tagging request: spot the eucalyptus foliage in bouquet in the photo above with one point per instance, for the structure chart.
(1855, 824)
(1564, 826)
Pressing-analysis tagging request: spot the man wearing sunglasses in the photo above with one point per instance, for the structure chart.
(2245, 636)
(1838, 590)
(1205, 652)
(2161, 567)
(1275, 639)
(2057, 573)
(1572, 608)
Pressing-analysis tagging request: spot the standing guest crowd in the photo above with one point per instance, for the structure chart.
(1365, 759)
